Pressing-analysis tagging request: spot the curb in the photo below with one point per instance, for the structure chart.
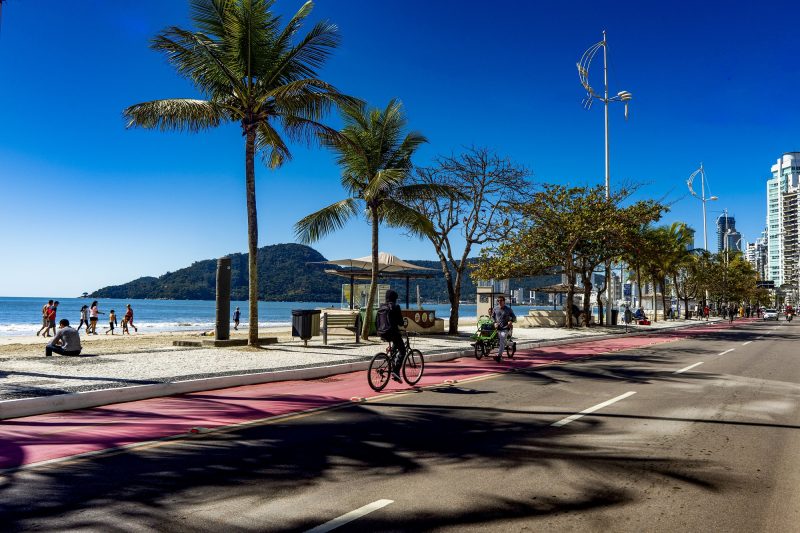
(97, 398)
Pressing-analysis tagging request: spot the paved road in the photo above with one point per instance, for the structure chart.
(683, 447)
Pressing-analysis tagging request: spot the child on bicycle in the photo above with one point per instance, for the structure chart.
(388, 322)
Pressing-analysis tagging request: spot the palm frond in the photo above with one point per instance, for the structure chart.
(270, 146)
(384, 181)
(200, 60)
(325, 221)
(209, 15)
(176, 114)
(306, 57)
(397, 215)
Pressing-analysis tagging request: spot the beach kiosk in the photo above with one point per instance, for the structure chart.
(390, 267)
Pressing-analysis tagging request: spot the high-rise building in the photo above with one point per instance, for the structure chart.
(782, 226)
(728, 239)
(756, 254)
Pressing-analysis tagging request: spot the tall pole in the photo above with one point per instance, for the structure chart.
(703, 198)
(605, 103)
(608, 169)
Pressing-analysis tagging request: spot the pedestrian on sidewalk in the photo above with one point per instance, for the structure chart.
(66, 342)
(503, 317)
(45, 319)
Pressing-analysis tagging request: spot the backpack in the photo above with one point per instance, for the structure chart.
(383, 325)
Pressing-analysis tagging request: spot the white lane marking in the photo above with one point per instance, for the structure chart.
(349, 517)
(746, 343)
(726, 351)
(572, 418)
(682, 370)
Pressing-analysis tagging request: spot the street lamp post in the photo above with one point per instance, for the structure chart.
(591, 95)
(702, 173)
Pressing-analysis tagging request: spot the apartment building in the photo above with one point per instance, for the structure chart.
(782, 224)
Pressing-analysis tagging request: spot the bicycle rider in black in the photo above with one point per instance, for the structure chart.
(394, 336)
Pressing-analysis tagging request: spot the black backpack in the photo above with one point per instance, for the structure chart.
(383, 325)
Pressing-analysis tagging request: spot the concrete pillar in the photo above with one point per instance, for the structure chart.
(222, 331)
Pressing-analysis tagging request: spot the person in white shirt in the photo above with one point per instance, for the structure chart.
(66, 342)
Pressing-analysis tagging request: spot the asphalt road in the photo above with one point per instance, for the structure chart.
(694, 435)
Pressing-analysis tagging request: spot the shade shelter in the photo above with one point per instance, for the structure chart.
(389, 267)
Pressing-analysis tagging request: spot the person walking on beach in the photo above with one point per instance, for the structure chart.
(51, 318)
(236, 315)
(84, 318)
(45, 319)
(124, 325)
(112, 322)
(66, 342)
(129, 316)
(94, 311)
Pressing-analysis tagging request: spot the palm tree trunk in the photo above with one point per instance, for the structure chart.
(373, 286)
(252, 235)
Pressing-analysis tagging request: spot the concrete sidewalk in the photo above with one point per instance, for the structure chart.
(145, 373)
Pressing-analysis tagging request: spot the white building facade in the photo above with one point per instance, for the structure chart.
(782, 220)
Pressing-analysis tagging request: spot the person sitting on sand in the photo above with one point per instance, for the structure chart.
(66, 342)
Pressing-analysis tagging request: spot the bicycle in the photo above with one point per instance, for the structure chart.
(380, 368)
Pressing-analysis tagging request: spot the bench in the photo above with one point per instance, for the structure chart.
(351, 321)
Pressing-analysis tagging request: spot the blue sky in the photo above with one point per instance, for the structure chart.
(85, 203)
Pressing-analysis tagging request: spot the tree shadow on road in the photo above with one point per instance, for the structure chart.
(148, 488)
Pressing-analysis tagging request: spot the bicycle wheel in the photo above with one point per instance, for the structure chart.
(413, 367)
(480, 350)
(379, 372)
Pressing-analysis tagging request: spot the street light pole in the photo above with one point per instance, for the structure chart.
(591, 95)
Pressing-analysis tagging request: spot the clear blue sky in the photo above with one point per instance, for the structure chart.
(85, 203)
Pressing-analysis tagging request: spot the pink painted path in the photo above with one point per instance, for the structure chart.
(29, 440)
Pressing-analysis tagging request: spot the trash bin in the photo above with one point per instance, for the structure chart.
(614, 316)
(303, 322)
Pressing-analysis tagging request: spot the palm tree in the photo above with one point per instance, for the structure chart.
(250, 71)
(375, 157)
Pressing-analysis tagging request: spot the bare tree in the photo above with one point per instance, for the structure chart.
(487, 184)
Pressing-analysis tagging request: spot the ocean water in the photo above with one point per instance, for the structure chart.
(22, 316)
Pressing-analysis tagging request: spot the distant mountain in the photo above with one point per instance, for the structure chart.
(285, 274)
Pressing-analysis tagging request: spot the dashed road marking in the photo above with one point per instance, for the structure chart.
(746, 343)
(349, 517)
(572, 418)
(726, 351)
(682, 370)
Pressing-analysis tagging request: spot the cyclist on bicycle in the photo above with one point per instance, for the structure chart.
(388, 323)
(504, 318)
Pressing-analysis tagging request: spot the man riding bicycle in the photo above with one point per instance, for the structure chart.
(388, 323)
(504, 319)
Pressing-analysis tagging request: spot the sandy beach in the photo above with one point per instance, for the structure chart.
(135, 342)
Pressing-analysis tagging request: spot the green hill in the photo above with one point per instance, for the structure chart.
(284, 275)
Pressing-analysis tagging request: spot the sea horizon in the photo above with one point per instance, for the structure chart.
(21, 315)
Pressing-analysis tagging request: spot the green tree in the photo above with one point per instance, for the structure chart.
(488, 184)
(374, 152)
(568, 230)
(252, 72)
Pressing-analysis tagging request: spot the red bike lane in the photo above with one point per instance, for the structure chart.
(44, 438)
